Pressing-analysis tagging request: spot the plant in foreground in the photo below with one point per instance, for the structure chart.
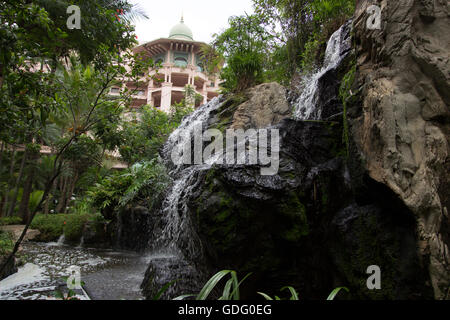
(231, 289)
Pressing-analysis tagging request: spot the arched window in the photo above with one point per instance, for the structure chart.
(200, 67)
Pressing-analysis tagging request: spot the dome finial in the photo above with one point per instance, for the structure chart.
(182, 17)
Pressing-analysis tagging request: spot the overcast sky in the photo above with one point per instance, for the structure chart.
(204, 17)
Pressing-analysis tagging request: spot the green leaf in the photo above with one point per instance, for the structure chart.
(294, 295)
(335, 292)
(184, 296)
(209, 286)
(164, 289)
(267, 297)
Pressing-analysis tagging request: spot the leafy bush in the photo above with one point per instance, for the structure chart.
(6, 221)
(6, 242)
(144, 135)
(245, 46)
(51, 226)
(145, 181)
(73, 228)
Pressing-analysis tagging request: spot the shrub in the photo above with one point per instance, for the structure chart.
(145, 181)
(6, 242)
(73, 228)
(6, 221)
(51, 226)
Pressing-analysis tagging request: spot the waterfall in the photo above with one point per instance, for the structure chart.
(61, 240)
(173, 213)
(175, 250)
(305, 107)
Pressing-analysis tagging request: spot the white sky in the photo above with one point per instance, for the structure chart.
(203, 17)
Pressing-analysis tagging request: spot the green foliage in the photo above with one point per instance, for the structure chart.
(230, 290)
(74, 225)
(35, 198)
(244, 45)
(158, 295)
(345, 93)
(51, 226)
(335, 292)
(294, 294)
(6, 242)
(301, 29)
(145, 181)
(144, 135)
(6, 221)
(327, 10)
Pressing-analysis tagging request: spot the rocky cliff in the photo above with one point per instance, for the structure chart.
(399, 119)
(363, 173)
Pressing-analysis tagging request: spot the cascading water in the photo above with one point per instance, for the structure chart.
(175, 251)
(305, 107)
(175, 248)
(173, 218)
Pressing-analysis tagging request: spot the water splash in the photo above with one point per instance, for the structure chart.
(175, 248)
(305, 105)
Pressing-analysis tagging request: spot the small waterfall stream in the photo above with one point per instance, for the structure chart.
(306, 104)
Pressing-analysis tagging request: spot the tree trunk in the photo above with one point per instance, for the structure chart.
(62, 196)
(27, 189)
(72, 188)
(19, 178)
(11, 171)
(50, 198)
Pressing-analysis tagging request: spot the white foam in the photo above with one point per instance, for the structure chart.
(27, 274)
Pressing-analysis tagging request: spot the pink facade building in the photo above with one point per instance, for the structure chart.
(181, 65)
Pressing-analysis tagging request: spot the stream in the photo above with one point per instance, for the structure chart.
(107, 274)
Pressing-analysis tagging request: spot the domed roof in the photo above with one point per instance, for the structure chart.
(181, 31)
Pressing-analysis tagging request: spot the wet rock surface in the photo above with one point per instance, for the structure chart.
(399, 118)
(316, 224)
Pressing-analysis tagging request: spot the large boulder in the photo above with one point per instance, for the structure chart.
(399, 117)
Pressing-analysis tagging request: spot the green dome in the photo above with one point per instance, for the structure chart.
(181, 31)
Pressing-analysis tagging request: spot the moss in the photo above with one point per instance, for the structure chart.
(374, 248)
(345, 94)
(227, 110)
(295, 212)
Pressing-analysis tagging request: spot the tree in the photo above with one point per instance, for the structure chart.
(245, 46)
(38, 79)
